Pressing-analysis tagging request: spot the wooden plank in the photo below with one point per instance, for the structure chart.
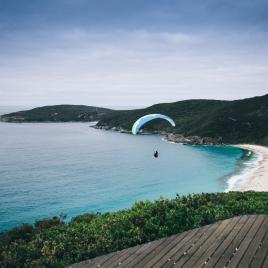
(230, 251)
(262, 252)
(189, 239)
(150, 253)
(117, 260)
(139, 255)
(141, 252)
(79, 264)
(254, 245)
(265, 263)
(234, 262)
(212, 243)
(180, 259)
(143, 261)
(100, 261)
(97, 262)
(93, 262)
(122, 259)
(184, 245)
(180, 239)
(192, 244)
(216, 245)
(120, 255)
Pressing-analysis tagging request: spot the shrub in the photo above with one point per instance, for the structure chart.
(51, 243)
(42, 225)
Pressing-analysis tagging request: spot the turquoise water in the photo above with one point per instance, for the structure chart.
(52, 168)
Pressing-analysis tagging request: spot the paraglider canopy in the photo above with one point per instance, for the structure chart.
(144, 119)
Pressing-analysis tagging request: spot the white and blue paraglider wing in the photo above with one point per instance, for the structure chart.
(144, 119)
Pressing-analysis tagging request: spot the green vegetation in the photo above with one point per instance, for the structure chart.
(239, 121)
(53, 243)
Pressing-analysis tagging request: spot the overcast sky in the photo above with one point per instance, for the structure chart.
(131, 52)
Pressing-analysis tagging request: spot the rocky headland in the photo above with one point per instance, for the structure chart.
(172, 137)
(193, 140)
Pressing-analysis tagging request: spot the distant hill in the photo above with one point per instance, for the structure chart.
(58, 113)
(238, 121)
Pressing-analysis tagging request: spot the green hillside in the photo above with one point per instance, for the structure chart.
(238, 121)
(234, 121)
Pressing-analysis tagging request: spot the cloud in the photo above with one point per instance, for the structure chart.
(131, 52)
(135, 67)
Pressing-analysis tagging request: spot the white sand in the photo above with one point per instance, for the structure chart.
(256, 179)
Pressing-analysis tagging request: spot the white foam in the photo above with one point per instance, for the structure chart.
(168, 141)
(237, 181)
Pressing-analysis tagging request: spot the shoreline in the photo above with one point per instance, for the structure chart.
(255, 177)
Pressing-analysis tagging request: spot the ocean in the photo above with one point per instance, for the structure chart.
(51, 168)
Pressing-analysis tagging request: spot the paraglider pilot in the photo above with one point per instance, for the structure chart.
(147, 118)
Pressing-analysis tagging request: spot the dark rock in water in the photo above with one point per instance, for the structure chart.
(102, 127)
(106, 127)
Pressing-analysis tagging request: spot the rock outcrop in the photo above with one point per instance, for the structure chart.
(193, 140)
(177, 138)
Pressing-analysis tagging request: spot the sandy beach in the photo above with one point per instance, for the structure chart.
(256, 179)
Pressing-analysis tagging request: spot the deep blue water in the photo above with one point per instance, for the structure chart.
(50, 168)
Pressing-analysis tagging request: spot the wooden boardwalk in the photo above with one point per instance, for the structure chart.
(237, 242)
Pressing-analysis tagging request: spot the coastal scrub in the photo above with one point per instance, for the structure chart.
(55, 243)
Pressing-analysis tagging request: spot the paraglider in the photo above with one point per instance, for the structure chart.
(144, 119)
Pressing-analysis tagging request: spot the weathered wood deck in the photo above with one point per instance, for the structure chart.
(237, 242)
